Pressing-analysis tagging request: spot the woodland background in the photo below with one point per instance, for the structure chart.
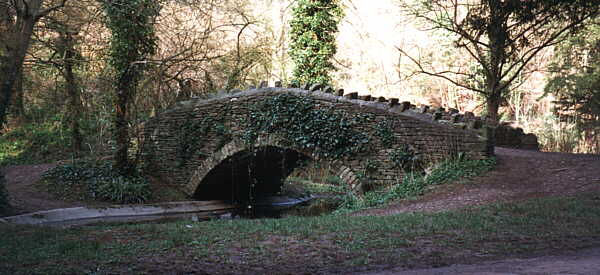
(63, 107)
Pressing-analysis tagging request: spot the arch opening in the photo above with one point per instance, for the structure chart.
(249, 174)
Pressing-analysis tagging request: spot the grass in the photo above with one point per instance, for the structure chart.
(414, 184)
(316, 244)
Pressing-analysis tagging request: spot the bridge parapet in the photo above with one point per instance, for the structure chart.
(199, 141)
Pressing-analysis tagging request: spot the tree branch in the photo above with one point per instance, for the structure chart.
(50, 9)
(422, 70)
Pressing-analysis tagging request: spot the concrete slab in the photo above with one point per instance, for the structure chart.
(118, 213)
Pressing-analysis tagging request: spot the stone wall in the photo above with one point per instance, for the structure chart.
(433, 134)
(509, 136)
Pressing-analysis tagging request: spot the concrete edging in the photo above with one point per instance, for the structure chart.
(120, 213)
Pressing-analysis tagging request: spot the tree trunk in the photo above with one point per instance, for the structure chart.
(493, 106)
(18, 107)
(74, 101)
(8, 75)
(16, 43)
(124, 86)
(497, 34)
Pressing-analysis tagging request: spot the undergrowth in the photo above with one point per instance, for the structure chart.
(414, 184)
(34, 143)
(97, 181)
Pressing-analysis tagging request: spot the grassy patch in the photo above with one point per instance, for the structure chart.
(316, 244)
(34, 143)
(414, 184)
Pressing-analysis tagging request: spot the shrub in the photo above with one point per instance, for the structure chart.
(97, 181)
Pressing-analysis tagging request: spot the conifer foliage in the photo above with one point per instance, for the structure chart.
(313, 42)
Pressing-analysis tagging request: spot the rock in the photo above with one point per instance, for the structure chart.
(351, 95)
(404, 106)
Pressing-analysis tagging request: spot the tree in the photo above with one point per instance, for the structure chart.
(56, 38)
(17, 19)
(501, 36)
(133, 40)
(312, 34)
(575, 81)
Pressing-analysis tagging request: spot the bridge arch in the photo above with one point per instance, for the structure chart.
(197, 143)
(229, 173)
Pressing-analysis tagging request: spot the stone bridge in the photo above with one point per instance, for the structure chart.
(241, 145)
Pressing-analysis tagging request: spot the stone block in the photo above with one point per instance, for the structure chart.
(315, 87)
(405, 105)
(351, 95)
(475, 124)
(455, 118)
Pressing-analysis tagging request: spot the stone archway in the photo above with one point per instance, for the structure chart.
(193, 140)
(239, 169)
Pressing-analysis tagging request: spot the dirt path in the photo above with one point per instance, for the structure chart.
(24, 196)
(582, 262)
(519, 175)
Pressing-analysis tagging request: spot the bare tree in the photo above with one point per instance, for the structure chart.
(17, 19)
(501, 36)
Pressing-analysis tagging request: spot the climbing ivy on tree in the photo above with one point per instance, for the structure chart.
(133, 40)
(312, 32)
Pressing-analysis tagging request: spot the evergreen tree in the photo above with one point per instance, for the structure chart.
(575, 80)
(312, 31)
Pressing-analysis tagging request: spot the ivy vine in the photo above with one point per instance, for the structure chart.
(313, 42)
(385, 132)
(193, 133)
(133, 40)
(406, 158)
(325, 131)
